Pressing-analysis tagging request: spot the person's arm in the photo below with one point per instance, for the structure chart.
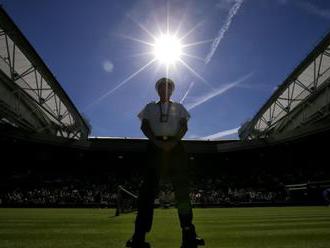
(146, 129)
(179, 135)
(182, 129)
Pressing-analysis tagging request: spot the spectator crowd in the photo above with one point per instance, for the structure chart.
(229, 189)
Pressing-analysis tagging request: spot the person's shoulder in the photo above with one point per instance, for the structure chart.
(151, 104)
(178, 105)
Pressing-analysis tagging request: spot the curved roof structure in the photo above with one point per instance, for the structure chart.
(30, 96)
(300, 105)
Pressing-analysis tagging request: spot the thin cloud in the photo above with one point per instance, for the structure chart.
(221, 134)
(193, 136)
(233, 11)
(204, 98)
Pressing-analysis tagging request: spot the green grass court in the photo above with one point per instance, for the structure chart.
(220, 227)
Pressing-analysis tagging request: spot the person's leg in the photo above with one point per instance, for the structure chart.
(180, 178)
(147, 194)
(145, 206)
(181, 181)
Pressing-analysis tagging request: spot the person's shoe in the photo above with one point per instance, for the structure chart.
(193, 243)
(190, 239)
(134, 244)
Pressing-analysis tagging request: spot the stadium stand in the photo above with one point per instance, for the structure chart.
(48, 159)
(257, 175)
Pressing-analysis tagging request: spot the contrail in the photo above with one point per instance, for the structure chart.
(220, 134)
(223, 30)
(187, 92)
(217, 92)
(233, 11)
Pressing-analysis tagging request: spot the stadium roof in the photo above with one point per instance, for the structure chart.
(300, 103)
(30, 96)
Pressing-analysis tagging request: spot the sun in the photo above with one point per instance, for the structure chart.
(167, 49)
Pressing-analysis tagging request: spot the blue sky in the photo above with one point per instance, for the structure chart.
(250, 47)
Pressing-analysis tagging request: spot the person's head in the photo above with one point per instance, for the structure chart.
(164, 87)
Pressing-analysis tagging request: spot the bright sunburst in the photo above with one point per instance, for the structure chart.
(167, 49)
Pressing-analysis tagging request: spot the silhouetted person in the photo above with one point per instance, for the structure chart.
(165, 123)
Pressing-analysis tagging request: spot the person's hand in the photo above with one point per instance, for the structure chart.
(169, 145)
(158, 143)
(165, 145)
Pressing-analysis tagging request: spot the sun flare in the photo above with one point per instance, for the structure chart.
(167, 49)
